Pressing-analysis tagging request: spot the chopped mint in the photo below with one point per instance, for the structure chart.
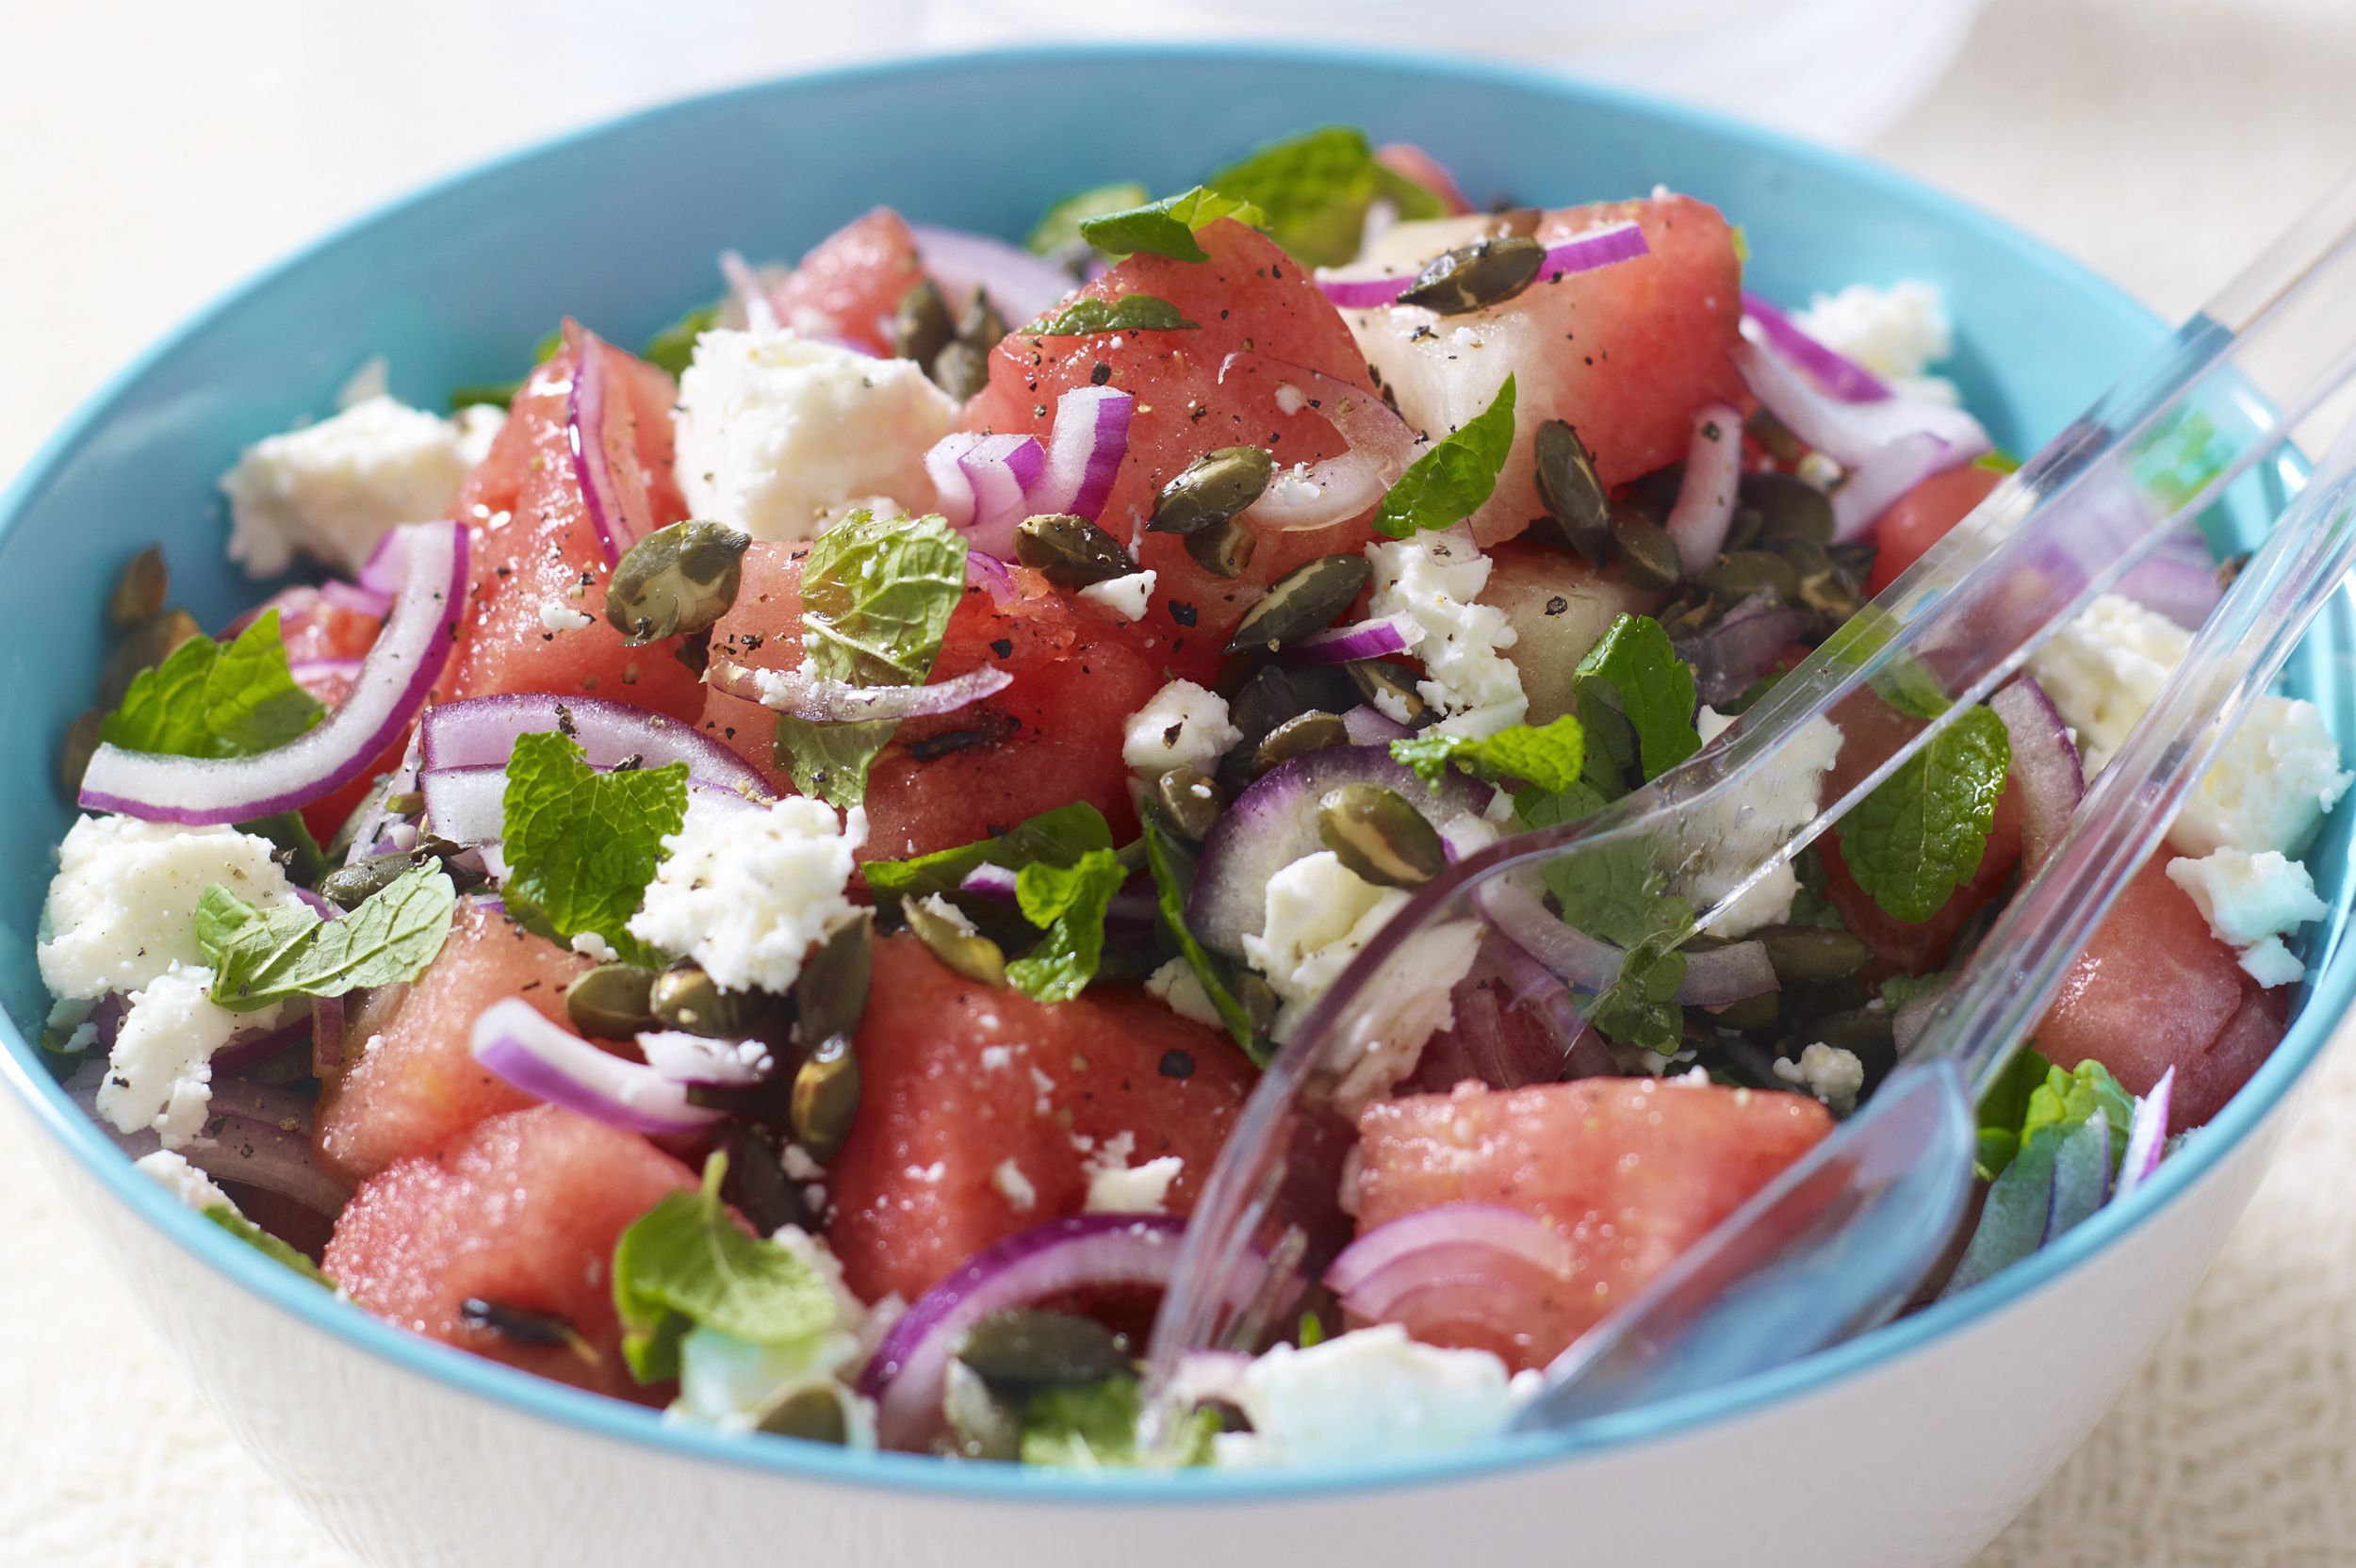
(1906, 685)
(1094, 1427)
(1455, 475)
(1997, 463)
(1059, 227)
(263, 1242)
(1129, 313)
(2181, 458)
(260, 957)
(1166, 227)
(1650, 687)
(876, 596)
(1069, 904)
(1616, 892)
(581, 845)
(1414, 201)
(211, 699)
(1550, 756)
(1313, 191)
(1173, 869)
(2053, 1166)
(1811, 904)
(2006, 1105)
(1311, 1332)
(687, 1263)
(1921, 833)
(2065, 1098)
(674, 346)
(1057, 838)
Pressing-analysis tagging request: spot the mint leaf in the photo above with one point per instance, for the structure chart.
(263, 1242)
(1650, 687)
(581, 845)
(1455, 475)
(674, 346)
(1921, 833)
(2070, 1097)
(1614, 891)
(2060, 1177)
(1415, 202)
(1906, 685)
(1069, 904)
(1550, 756)
(259, 957)
(1313, 191)
(1129, 313)
(211, 699)
(1094, 1427)
(876, 596)
(1166, 227)
(1058, 838)
(2005, 1106)
(686, 1263)
(1059, 227)
(1173, 869)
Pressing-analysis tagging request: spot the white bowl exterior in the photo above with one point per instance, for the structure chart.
(1918, 1459)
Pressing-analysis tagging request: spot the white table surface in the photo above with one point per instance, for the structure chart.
(152, 154)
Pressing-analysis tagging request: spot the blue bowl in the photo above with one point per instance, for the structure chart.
(620, 226)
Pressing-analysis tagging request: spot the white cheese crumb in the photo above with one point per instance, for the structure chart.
(1434, 579)
(1368, 1392)
(1115, 1187)
(1832, 1074)
(1013, 1185)
(2253, 902)
(1175, 985)
(1897, 333)
(1737, 834)
(1179, 726)
(1125, 597)
(745, 893)
(594, 948)
(185, 1181)
(560, 618)
(159, 1074)
(121, 909)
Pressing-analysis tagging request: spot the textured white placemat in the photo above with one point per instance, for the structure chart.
(2158, 139)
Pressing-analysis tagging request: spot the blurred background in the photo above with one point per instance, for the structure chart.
(152, 154)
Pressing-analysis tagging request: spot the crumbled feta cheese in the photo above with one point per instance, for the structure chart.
(1182, 726)
(185, 1181)
(1125, 597)
(1115, 1187)
(1829, 1072)
(938, 907)
(1732, 836)
(1435, 578)
(746, 893)
(594, 948)
(1013, 1185)
(1368, 1392)
(800, 1166)
(2253, 902)
(2279, 769)
(1175, 985)
(121, 909)
(159, 1074)
(705, 1058)
(560, 618)
(777, 431)
(1897, 333)
(332, 490)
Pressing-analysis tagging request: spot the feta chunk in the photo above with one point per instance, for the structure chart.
(1175, 985)
(1182, 726)
(2253, 902)
(1897, 333)
(1365, 1393)
(1125, 597)
(1734, 836)
(777, 430)
(1012, 1185)
(1832, 1074)
(159, 1074)
(184, 1182)
(121, 909)
(331, 490)
(746, 893)
(1434, 579)
(2278, 772)
(1115, 1187)
(559, 617)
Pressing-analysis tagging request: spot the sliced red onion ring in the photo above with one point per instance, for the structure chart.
(1000, 473)
(1837, 374)
(2147, 1136)
(823, 701)
(953, 493)
(260, 1045)
(517, 1045)
(477, 732)
(2045, 764)
(1453, 1274)
(1084, 453)
(1371, 727)
(386, 568)
(1737, 649)
(393, 682)
(1380, 638)
(1872, 485)
(1021, 285)
(992, 574)
(1583, 253)
(1380, 447)
(749, 293)
(1850, 433)
(587, 432)
(2177, 579)
(686, 1058)
(381, 832)
(352, 596)
(256, 1134)
(469, 806)
(1704, 511)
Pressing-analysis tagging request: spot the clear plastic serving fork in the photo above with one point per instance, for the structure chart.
(1843, 1238)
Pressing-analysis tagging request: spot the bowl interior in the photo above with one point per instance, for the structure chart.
(620, 226)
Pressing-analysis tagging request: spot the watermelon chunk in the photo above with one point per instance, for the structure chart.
(980, 1109)
(1922, 516)
(849, 285)
(1630, 1171)
(523, 1211)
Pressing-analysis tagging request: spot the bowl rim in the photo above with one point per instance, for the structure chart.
(920, 1476)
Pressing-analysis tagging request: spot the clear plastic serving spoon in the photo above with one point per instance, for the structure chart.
(1841, 1240)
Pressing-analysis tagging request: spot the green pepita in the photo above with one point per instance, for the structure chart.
(1775, 436)
(140, 592)
(1788, 508)
(75, 752)
(1189, 801)
(675, 581)
(826, 1098)
(1259, 1001)
(1752, 1012)
(1027, 1347)
(960, 370)
(1301, 603)
(1470, 277)
(960, 947)
(1572, 493)
(1314, 731)
(1212, 489)
(611, 1002)
(983, 1424)
(980, 324)
(920, 327)
(1070, 552)
(830, 994)
(1376, 833)
(1224, 550)
(1739, 574)
(1388, 688)
(813, 1415)
(1812, 955)
(1648, 557)
(348, 887)
(685, 997)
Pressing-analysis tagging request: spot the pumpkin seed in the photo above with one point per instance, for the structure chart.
(1266, 700)
(1470, 277)
(1787, 508)
(1655, 493)
(1212, 489)
(1812, 955)
(1301, 603)
(1379, 679)
(685, 997)
(75, 752)
(348, 887)
(1312, 731)
(830, 994)
(1376, 833)
(813, 1415)
(675, 581)
(1027, 1348)
(1259, 1000)
(145, 647)
(1648, 557)
(1572, 493)
(967, 952)
(826, 1098)
(1742, 573)
(1189, 801)
(960, 370)
(980, 324)
(1861, 1030)
(1775, 436)
(1224, 550)
(1752, 1012)
(611, 1002)
(756, 1184)
(1821, 588)
(139, 592)
(920, 327)
(1071, 552)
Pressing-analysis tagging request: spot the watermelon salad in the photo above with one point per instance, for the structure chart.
(755, 876)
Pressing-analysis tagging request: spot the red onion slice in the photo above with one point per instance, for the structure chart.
(260, 1045)
(1850, 433)
(1837, 374)
(1370, 726)
(1021, 285)
(385, 568)
(821, 701)
(588, 433)
(1379, 638)
(2177, 579)
(352, 596)
(992, 572)
(1490, 1227)
(517, 1045)
(953, 493)
(392, 685)
(1084, 453)
(748, 292)
(1872, 485)
(2045, 764)
(1583, 253)
(1379, 447)
(1454, 1274)
(1730, 656)
(1704, 511)
(256, 1135)
(1000, 473)
(477, 732)
(2147, 1136)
